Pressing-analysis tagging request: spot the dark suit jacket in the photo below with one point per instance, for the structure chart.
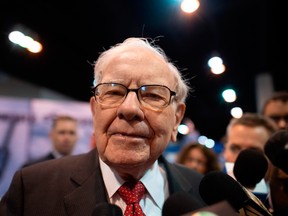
(49, 156)
(73, 185)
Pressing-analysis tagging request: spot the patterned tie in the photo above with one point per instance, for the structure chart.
(132, 193)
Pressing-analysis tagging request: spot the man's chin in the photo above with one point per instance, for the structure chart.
(126, 162)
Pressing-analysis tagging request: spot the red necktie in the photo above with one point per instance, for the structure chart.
(132, 193)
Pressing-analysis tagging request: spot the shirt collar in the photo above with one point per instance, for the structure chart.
(153, 179)
(56, 154)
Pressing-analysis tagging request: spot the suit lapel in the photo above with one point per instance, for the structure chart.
(90, 189)
(176, 180)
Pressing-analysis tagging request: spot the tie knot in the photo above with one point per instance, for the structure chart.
(131, 192)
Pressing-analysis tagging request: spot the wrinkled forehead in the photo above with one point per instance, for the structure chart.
(139, 59)
(135, 51)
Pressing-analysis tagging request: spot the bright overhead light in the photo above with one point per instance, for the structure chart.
(229, 95)
(25, 41)
(189, 6)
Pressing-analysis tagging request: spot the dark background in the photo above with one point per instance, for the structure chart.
(249, 36)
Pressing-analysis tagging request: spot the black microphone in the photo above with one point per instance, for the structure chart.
(107, 209)
(222, 208)
(180, 203)
(250, 167)
(276, 149)
(217, 186)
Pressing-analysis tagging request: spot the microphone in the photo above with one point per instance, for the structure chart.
(276, 149)
(107, 209)
(250, 167)
(217, 186)
(222, 208)
(180, 203)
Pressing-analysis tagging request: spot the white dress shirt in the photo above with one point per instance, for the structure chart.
(156, 184)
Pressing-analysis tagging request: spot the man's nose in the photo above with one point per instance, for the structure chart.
(131, 107)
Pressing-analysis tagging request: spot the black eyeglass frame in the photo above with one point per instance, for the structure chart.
(136, 90)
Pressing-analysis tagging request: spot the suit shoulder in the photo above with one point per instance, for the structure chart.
(187, 171)
(61, 165)
(38, 160)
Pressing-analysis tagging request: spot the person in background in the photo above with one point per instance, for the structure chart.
(198, 157)
(252, 130)
(276, 108)
(137, 106)
(63, 136)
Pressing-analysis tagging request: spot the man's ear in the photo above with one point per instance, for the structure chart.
(92, 105)
(179, 114)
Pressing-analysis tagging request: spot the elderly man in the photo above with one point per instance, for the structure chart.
(138, 103)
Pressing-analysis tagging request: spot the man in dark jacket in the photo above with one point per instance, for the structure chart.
(63, 136)
(137, 106)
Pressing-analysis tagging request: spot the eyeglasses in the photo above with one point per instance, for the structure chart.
(155, 97)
